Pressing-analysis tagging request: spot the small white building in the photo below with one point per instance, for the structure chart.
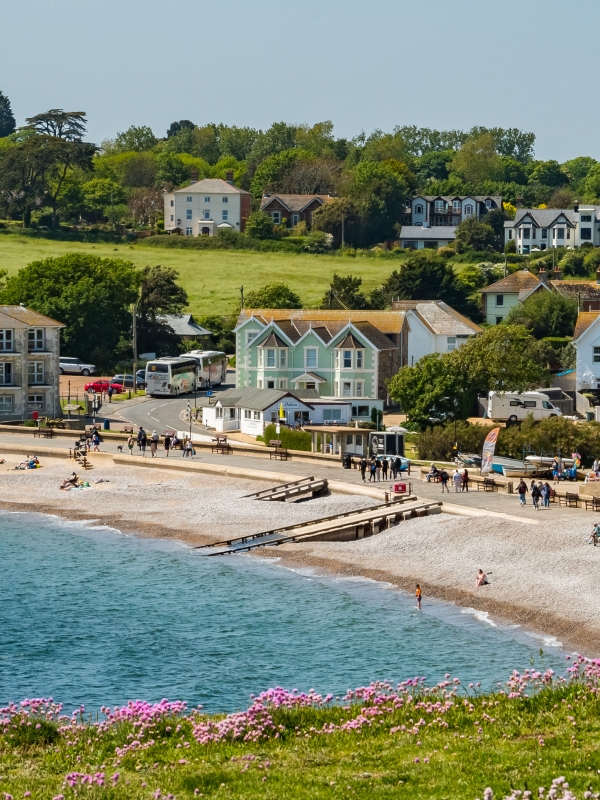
(207, 206)
(434, 327)
(250, 410)
(586, 339)
(418, 237)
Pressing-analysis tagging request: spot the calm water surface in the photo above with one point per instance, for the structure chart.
(88, 615)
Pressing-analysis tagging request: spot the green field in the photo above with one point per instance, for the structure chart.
(212, 277)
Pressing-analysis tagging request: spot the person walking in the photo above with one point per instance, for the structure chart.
(167, 444)
(444, 481)
(378, 469)
(372, 469)
(418, 596)
(190, 448)
(397, 466)
(140, 436)
(547, 494)
(109, 392)
(184, 449)
(130, 444)
(457, 480)
(384, 468)
(154, 443)
(535, 495)
(464, 479)
(143, 442)
(363, 468)
(96, 441)
(522, 492)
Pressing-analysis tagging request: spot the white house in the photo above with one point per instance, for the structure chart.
(418, 237)
(545, 228)
(586, 339)
(447, 210)
(204, 207)
(251, 410)
(434, 327)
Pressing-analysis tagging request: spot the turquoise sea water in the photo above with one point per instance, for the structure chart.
(90, 616)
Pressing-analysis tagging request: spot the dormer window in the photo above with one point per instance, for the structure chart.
(270, 358)
(468, 210)
(488, 204)
(456, 205)
(418, 209)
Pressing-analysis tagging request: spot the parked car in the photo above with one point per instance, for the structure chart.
(141, 378)
(102, 386)
(124, 380)
(75, 366)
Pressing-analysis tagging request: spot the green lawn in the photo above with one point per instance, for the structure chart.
(212, 277)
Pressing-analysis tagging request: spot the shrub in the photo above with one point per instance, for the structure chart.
(510, 246)
(294, 440)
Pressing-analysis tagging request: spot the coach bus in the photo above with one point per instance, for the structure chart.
(171, 376)
(212, 367)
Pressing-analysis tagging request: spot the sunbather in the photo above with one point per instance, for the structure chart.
(70, 483)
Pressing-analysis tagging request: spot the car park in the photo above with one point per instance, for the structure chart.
(74, 366)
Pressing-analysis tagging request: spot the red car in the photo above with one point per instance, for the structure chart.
(102, 386)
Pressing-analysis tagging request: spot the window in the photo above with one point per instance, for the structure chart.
(527, 233)
(189, 199)
(488, 204)
(546, 404)
(533, 233)
(247, 413)
(520, 233)
(456, 206)
(270, 358)
(219, 413)
(311, 357)
(499, 320)
(336, 359)
(349, 439)
(257, 415)
(596, 355)
(35, 372)
(468, 211)
(35, 401)
(36, 338)
(560, 233)
(207, 199)
(250, 335)
(418, 209)
(172, 217)
(586, 233)
(359, 439)
(6, 402)
(359, 359)
(282, 383)
(188, 213)
(282, 358)
(347, 359)
(544, 233)
(311, 385)
(6, 374)
(172, 204)
(189, 231)
(525, 248)
(6, 340)
(529, 403)
(359, 389)
(346, 389)
(499, 299)
(568, 233)
(451, 343)
(585, 218)
(440, 205)
(295, 219)
(509, 233)
(225, 199)
(225, 214)
(270, 384)
(276, 216)
(207, 215)
(332, 414)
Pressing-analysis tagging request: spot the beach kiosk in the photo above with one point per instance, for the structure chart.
(337, 440)
(386, 443)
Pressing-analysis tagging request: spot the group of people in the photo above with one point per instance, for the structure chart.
(481, 579)
(169, 442)
(540, 493)
(380, 467)
(460, 480)
(29, 462)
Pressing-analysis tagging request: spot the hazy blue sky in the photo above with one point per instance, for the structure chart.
(364, 65)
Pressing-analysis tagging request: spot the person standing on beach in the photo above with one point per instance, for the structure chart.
(444, 477)
(535, 495)
(372, 469)
(465, 481)
(167, 444)
(384, 468)
(522, 491)
(363, 468)
(547, 494)
(130, 444)
(419, 596)
(378, 469)
(457, 480)
(154, 443)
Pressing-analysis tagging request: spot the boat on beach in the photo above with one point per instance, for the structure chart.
(513, 467)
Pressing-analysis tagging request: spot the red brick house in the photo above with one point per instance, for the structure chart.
(293, 208)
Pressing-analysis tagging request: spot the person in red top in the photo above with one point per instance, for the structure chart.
(418, 595)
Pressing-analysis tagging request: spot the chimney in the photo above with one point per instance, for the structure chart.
(598, 276)
(194, 176)
(542, 275)
(576, 206)
(229, 176)
(557, 274)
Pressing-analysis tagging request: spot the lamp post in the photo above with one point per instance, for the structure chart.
(189, 411)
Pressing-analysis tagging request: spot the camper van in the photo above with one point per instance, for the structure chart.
(513, 406)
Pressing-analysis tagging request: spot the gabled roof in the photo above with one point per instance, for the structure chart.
(443, 319)
(272, 340)
(333, 320)
(545, 217)
(259, 399)
(375, 336)
(450, 197)
(308, 377)
(185, 325)
(586, 290)
(521, 282)
(584, 320)
(421, 232)
(350, 342)
(294, 202)
(25, 316)
(210, 186)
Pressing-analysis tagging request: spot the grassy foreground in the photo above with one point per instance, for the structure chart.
(212, 277)
(379, 741)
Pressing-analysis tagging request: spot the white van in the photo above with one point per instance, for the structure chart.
(512, 406)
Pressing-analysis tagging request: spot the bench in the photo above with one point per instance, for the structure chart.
(128, 429)
(594, 502)
(220, 445)
(278, 452)
(569, 499)
(488, 485)
(46, 433)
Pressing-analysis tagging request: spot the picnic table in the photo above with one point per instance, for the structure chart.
(46, 433)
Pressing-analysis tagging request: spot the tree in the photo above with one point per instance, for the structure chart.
(344, 292)
(69, 125)
(99, 194)
(7, 119)
(270, 172)
(427, 276)
(513, 170)
(273, 295)
(160, 294)
(380, 195)
(308, 176)
(172, 171)
(175, 127)
(91, 296)
(477, 160)
(277, 139)
(591, 184)
(548, 173)
(473, 235)
(237, 142)
(382, 146)
(260, 226)
(135, 139)
(433, 165)
(317, 139)
(510, 142)
(331, 216)
(545, 313)
(578, 169)
(145, 205)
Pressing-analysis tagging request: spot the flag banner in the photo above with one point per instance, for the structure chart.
(487, 452)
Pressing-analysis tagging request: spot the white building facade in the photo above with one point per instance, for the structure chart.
(205, 207)
(546, 228)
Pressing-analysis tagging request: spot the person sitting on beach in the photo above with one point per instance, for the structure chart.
(433, 471)
(33, 463)
(481, 579)
(70, 483)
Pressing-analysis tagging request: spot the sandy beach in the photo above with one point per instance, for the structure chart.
(543, 577)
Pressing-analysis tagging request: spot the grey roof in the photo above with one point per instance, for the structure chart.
(420, 232)
(27, 317)
(375, 336)
(441, 318)
(184, 325)
(294, 202)
(544, 217)
(450, 197)
(210, 186)
(259, 399)
(272, 340)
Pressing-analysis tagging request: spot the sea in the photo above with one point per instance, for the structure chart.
(90, 616)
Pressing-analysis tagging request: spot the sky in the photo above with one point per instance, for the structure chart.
(363, 65)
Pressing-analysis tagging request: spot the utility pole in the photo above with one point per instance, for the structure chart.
(242, 294)
(342, 231)
(135, 353)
